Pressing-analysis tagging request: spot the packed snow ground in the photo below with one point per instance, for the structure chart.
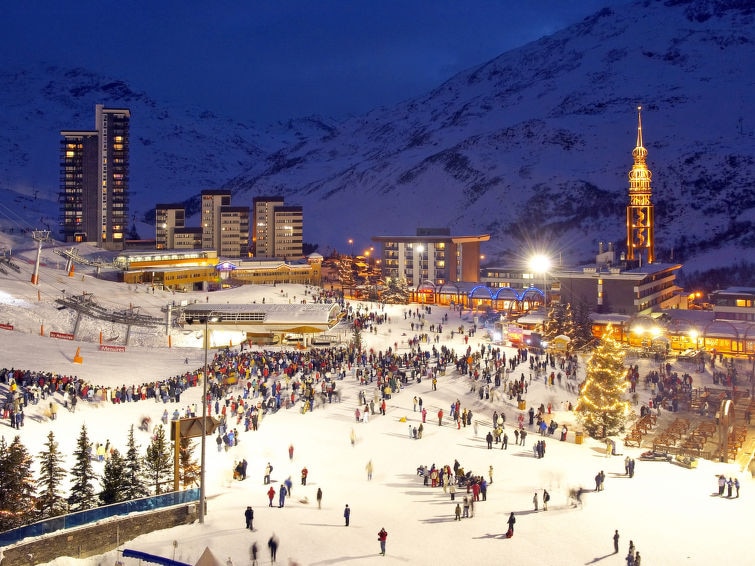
(669, 512)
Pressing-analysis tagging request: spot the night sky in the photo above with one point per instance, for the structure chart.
(275, 59)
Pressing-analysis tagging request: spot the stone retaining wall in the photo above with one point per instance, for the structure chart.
(98, 538)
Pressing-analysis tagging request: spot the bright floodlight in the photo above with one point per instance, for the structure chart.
(420, 248)
(540, 263)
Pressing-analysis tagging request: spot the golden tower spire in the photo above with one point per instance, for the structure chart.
(640, 211)
(639, 131)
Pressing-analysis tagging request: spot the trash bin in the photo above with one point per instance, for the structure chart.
(522, 405)
(578, 437)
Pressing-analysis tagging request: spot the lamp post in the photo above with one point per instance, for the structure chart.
(541, 264)
(202, 466)
(420, 249)
(693, 334)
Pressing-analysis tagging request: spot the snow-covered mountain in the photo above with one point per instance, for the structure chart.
(533, 146)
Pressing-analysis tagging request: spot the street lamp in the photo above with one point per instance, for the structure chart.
(541, 264)
(202, 498)
(420, 249)
(693, 334)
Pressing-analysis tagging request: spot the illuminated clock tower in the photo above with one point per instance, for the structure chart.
(640, 212)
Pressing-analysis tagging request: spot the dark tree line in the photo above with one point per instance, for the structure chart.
(25, 499)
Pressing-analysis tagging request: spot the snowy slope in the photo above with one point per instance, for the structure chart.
(666, 510)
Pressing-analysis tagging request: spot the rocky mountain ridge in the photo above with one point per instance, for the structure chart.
(533, 146)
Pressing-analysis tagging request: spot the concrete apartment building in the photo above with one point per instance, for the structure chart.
(187, 238)
(94, 180)
(224, 228)
(234, 231)
(212, 202)
(168, 219)
(433, 255)
(277, 230)
(620, 289)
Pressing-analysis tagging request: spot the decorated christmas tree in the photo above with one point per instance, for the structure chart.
(396, 291)
(601, 407)
(560, 320)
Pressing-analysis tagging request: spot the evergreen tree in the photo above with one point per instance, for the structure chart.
(17, 486)
(114, 480)
(601, 407)
(553, 322)
(51, 475)
(582, 333)
(134, 485)
(158, 464)
(189, 468)
(133, 232)
(372, 293)
(82, 495)
(346, 271)
(396, 291)
(569, 326)
(560, 321)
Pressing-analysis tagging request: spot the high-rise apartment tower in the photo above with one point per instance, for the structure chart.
(277, 230)
(94, 180)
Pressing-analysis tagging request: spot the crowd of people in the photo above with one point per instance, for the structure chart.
(246, 384)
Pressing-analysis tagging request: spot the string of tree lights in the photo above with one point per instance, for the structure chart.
(602, 408)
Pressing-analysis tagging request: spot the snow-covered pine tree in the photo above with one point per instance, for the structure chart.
(114, 480)
(188, 466)
(17, 486)
(582, 334)
(158, 464)
(82, 494)
(601, 407)
(51, 502)
(134, 484)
